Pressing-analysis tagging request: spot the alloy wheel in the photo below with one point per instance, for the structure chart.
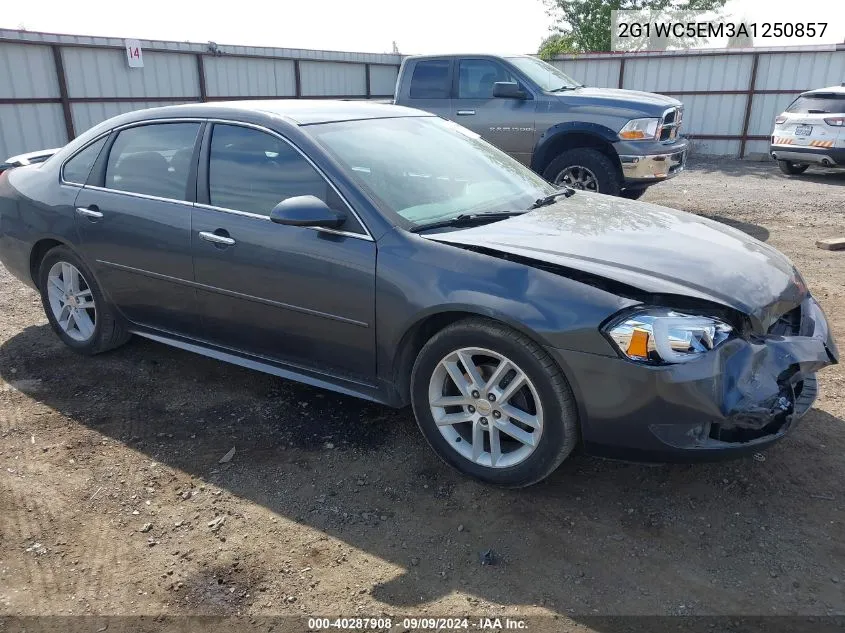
(578, 177)
(486, 407)
(71, 301)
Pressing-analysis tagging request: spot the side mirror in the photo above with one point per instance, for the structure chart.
(508, 90)
(306, 211)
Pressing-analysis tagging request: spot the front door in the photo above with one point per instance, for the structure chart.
(506, 123)
(134, 224)
(285, 293)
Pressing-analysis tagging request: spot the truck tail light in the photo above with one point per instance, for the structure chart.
(837, 121)
(780, 120)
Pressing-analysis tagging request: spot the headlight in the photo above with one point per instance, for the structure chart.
(661, 335)
(638, 129)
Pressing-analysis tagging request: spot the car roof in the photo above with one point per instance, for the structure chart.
(296, 111)
(839, 90)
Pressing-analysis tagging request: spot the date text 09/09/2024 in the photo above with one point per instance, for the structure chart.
(419, 624)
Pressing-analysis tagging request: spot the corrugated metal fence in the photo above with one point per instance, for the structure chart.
(52, 87)
(731, 98)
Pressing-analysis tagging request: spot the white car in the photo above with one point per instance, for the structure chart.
(811, 131)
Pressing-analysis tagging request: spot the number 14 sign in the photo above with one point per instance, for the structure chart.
(133, 54)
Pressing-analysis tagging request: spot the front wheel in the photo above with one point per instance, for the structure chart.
(75, 305)
(585, 169)
(790, 168)
(493, 404)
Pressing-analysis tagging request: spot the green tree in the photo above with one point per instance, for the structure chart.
(556, 44)
(585, 24)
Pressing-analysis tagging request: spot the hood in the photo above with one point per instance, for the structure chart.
(647, 103)
(651, 248)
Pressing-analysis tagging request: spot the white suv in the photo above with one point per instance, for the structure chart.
(811, 131)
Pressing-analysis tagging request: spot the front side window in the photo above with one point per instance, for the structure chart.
(477, 76)
(78, 168)
(250, 170)
(154, 160)
(425, 169)
(431, 80)
(546, 76)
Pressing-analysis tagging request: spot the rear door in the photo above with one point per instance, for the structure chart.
(506, 123)
(427, 84)
(293, 294)
(134, 222)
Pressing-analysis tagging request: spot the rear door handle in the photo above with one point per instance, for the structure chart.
(216, 239)
(466, 112)
(89, 212)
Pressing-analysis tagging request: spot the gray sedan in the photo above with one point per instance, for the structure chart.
(391, 255)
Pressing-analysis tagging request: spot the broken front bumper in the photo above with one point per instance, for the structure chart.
(651, 164)
(741, 396)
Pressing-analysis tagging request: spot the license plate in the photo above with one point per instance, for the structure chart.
(803, 130)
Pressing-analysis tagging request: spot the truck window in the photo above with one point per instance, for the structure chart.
(477, 76)
(431, 80)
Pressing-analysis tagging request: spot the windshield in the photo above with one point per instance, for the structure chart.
(427, 169)
(546, 76)
(821, 103)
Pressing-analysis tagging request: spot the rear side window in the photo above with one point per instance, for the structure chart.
(78, 168)
(153, 159)
(250, 170)
(431, 80)
(819, 104)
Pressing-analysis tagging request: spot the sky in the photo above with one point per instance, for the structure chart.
(433, 26)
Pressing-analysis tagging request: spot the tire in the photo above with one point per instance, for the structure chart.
(518, 464)
(606, 173)
(108, 330)
(790, 168)
(632, 194)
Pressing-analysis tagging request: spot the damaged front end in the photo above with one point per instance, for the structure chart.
(747, 392)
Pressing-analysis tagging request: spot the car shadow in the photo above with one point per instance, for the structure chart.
(732, 167)
(754, 230)
(760, 535)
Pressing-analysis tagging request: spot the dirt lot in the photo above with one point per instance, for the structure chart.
(112, 499)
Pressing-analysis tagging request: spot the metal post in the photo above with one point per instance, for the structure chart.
(297, 79)
(621, 81)
(61, 79)
(201, 76)
(368, 90)
(748, 103)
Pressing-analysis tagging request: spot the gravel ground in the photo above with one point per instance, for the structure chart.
(113, 500)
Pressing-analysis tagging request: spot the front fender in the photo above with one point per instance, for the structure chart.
(548, 140)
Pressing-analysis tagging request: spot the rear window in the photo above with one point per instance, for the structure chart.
(431, 80)
(819, 104)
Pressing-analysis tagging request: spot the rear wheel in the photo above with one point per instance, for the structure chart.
(586, 169)
(493, 404)
(792, 169)
(75, 306)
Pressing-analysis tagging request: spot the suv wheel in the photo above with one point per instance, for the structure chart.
(585, 169)
(75, 306)
(792, 169)
(493, 404)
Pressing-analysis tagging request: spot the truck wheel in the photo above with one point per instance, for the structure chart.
(790, 168)
(585, 169)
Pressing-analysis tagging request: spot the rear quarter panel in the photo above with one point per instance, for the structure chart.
(33, 206)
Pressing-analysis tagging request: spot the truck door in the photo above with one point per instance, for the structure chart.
(430, 86)
(507, 123)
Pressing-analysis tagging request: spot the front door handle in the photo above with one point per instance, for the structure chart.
(215, 238)
(92, 212)
(466, 112)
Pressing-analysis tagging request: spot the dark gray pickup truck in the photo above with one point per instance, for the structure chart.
(617, 142)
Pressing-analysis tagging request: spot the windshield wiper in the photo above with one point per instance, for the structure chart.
(563, 88)
(467, 219)
(550, 199)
